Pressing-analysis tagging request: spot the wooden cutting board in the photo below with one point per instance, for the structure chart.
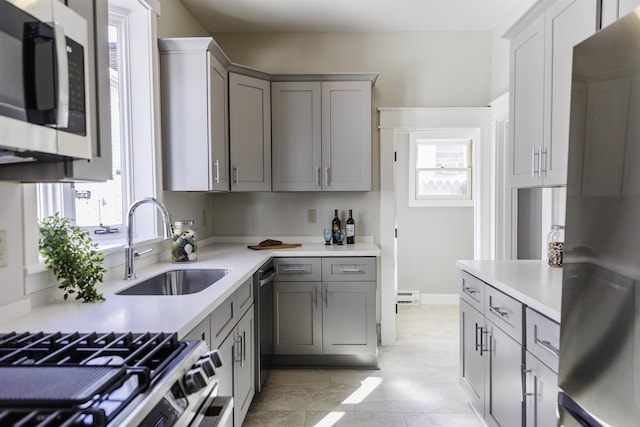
(282, 246)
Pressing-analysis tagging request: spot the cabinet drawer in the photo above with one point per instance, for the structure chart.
(298, 269)
(223, 319)
(543, 338)
(505, 312)
(472, 291)
(244, 296)
(349, 269)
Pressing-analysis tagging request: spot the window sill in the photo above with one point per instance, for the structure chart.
(440, 203)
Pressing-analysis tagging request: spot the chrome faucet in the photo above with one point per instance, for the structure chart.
(130, 253)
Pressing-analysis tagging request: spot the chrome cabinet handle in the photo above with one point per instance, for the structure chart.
(478, 344)
(294, 269)
(499, 311)
(236, 171)
(326, 176)
(535, 153)
(315, 296)
(326, 296)
(533, 394)
(350, 270)
(237, 354)
(317, 177)
(470, 290)
(543, 161)
(544, 343)
(244, 347)
(217, 165)
(484, 349)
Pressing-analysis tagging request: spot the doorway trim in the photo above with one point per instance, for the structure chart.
(402, 120)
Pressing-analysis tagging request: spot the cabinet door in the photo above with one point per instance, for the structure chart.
(472, 340)
(225, 372)
(218, 125)
(346, 136)
(201, 332)
(297, 310)
(568, 22)
(185, 119)
(349, 318)
(503, 388)
(244, 367)
(250, 133)
(526, 105)
(541, 393)
(296, 131)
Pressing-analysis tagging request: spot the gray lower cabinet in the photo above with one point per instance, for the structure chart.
(297, 318)
(491, 352)
(541, 393)
(325, 307)
(472, 354)
(230, 329)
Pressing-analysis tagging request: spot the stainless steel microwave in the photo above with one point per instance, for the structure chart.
(44, 91)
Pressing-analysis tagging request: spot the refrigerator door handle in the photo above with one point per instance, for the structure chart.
(567, 405)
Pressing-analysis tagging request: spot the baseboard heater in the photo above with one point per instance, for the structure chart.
(408, 297)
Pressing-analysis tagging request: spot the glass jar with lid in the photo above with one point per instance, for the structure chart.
(184, 246)
(555, 245)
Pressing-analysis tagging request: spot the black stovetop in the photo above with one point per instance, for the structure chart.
(78, 379)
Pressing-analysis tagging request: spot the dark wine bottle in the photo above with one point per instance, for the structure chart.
(335, 225)
(351, 229)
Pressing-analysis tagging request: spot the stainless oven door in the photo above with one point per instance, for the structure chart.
(263, 291)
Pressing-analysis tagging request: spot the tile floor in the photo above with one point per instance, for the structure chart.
(417, 384)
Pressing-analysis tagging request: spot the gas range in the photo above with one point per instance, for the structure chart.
(108, 379)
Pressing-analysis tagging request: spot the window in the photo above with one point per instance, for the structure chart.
(101, 207)
(439, 171)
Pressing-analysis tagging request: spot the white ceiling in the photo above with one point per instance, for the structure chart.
(354, 15)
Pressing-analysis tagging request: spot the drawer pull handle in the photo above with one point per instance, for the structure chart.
(544, 343)
(294, 269)
(499, 311)
(469, 290)
(350, 270)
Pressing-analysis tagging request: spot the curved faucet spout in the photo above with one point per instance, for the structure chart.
(130, 253)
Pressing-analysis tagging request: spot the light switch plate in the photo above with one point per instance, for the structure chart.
(3, 248)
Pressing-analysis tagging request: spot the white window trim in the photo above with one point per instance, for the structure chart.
(438, 201)
(144, 181)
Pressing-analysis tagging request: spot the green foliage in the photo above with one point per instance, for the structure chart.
(72, 256)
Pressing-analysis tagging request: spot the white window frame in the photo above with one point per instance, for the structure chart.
(140, 142)
(416, 200)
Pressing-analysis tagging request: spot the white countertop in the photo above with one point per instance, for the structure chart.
(531, 282)
(169, 313)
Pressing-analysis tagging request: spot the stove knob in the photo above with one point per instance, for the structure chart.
(214, 355)
(195, 380)
(206, 364)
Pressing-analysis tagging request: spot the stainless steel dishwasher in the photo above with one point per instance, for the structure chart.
(263, 294)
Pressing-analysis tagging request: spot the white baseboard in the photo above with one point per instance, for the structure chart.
(440, 299)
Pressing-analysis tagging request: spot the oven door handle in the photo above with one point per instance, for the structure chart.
(216, 412)
(272, 274)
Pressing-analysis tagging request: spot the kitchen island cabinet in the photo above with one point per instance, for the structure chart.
(322, 134)
(508, 349)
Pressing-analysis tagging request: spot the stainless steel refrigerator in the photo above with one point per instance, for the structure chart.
(599, 368)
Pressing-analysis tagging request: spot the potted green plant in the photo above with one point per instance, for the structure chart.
(72, 256)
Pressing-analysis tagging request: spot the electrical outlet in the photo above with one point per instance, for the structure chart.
(3, 248)
(311, 216)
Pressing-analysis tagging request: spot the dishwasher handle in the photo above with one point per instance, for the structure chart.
(271, 274)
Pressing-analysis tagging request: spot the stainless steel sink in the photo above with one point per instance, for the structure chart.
(176, 282)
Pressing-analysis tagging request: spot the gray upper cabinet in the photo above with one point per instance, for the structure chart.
(250, 133)
(322, 135)
(540, 89)
(194, 115)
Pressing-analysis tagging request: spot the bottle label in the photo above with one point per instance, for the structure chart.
(351, 230)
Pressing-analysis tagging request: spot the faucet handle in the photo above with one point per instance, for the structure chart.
(139, 254)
